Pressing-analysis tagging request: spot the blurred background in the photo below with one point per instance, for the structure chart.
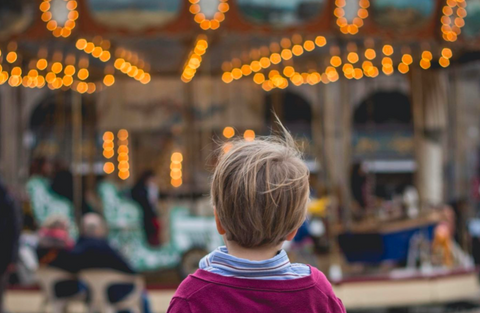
(113, 113)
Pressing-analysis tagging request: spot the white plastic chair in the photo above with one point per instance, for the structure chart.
(47, 278)
(99, 280)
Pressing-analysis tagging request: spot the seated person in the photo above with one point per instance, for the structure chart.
(55, 249)
(93, 251)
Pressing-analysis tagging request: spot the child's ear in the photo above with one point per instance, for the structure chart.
(220, 228)
(291, 235)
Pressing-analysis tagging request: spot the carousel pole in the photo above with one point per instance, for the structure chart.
(77, 154)
(346, 122)
(429, 95)
(417, 97)
(330, 132)
(22, 166)
(189, 139)
(318, 133)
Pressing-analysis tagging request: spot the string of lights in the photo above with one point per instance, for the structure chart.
(349, 67)
(56, 73)
(194, 59)
(123, 158)
(204, 22)
(352, 27)
(53, 25)
(176, 169)
(453, 14)
(228, 132)
(129, 63)
(108, 151)
(265, 57)
(98, 48)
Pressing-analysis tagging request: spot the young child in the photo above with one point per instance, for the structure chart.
(259, 192)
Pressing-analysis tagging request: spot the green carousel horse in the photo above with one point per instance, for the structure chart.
(190, 237)
(46, 203)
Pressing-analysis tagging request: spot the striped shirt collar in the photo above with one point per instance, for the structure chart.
(276, 268)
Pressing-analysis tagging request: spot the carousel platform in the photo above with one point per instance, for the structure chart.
(405, 289)
(399, 289)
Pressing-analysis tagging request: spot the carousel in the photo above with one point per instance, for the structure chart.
(370, 88)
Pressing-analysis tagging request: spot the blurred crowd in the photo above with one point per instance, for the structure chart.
(58, 259)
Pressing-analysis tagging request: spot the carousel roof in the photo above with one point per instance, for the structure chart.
(275, 42)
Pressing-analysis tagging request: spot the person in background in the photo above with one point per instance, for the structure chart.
(55, 249)
(41, 166)
(358, 182)
(62, 181)
(93, 251)
(62, 185)
(145, 193)
(10, 226)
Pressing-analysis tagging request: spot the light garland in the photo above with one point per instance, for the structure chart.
(176, 169)
(108, 146)
(350, 69)
(123, 158)
(452, 19)
(52, 25)
(426, 59)
(277, 52)
(404, 66)
(108, 152)
(194, 59)
(276, 80)
(205, 23)
(342, 22)
(444, 59)
(99, 51)
(130, 64)
(53, 78)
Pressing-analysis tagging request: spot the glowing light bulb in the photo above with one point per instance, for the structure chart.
(228, 132)
(108, 167)
(83, 74)
(109, 80)
(11, 57)
(249, 135)
(370, 54)
(259, 78)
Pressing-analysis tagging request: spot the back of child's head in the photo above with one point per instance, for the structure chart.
(260, 190)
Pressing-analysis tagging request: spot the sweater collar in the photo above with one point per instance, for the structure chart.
(234, 266)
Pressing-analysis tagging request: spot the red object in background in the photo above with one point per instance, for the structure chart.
(476, 188)
(153, 238)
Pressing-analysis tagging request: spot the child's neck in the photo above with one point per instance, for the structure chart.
(252, 254)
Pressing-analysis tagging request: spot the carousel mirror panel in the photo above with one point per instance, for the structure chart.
(402, 15)
(134, 14)
(280, 13)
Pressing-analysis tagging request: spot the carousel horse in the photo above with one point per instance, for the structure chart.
(190, 236)
(46, 203)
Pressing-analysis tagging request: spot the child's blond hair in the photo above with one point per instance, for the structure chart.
(260, 190)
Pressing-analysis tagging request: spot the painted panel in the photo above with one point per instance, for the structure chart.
(402, 15)
(280, 13)
(134, 14)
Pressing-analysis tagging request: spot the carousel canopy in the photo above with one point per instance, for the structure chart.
(85, 45)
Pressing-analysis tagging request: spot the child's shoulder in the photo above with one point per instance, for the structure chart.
(190, 286)
(322, 283)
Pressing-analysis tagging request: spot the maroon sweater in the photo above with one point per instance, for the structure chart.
(205, 292)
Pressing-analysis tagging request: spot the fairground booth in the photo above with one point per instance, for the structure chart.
(100, 96)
